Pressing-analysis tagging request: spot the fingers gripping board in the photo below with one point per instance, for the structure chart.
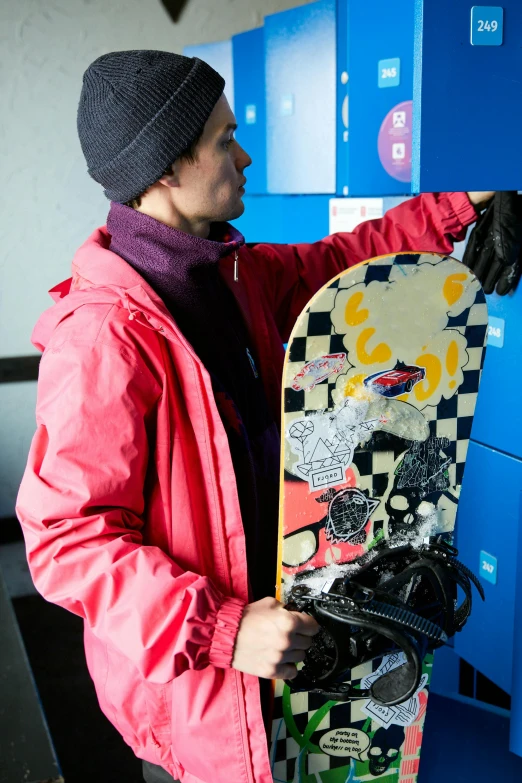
(380, 382)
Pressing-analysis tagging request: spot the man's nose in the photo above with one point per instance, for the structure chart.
(243, 160)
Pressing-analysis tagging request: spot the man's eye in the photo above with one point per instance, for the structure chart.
(229, 142)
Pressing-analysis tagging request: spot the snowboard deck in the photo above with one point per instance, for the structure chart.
(379, 389)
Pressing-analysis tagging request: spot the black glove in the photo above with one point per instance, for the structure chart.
(493, 252)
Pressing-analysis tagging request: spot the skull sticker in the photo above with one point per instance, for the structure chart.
(423, 473)
(385, 748)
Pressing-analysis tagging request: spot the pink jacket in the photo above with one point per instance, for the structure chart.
(129, 504)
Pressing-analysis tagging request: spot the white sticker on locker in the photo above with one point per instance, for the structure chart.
(347, 213)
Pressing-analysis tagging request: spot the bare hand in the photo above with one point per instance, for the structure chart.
(480, 198)
(271, 640)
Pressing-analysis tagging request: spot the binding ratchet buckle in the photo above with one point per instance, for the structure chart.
(403, 599)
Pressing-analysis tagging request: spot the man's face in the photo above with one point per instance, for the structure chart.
(211, 188)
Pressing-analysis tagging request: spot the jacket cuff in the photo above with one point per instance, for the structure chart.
(226, 627)
(463, 212)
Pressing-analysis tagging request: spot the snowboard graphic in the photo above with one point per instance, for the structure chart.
(380, 382)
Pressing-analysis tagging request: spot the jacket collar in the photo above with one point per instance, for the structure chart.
(96, 266)
(100, 275)
(160, 251)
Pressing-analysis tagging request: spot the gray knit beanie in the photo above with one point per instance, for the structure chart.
(138, 111)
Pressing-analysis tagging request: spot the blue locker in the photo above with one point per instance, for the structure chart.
(300, 61)
(487, 539)
(284, 219)
(249, 98)
(290, 219)
(498, 418)
(372, 54)
(467, 96)
(375, 91)
(466, 744)
(219, 56)
(515, 740)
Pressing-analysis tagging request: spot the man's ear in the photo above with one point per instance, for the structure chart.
(171, 180)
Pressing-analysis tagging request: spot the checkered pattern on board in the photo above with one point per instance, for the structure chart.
(315, 336)
(451, 419)
(285, 749)
(302, 352)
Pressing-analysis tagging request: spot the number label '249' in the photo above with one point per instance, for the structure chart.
(488, 27)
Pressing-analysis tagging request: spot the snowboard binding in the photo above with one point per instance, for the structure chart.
(401, 600)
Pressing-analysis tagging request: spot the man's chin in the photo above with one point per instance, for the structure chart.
(232, 213)
(237, 211)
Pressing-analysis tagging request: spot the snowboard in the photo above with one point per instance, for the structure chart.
(380, 382)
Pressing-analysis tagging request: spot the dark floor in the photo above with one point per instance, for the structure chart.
(89, 749)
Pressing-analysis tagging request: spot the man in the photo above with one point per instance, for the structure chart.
(149, 502)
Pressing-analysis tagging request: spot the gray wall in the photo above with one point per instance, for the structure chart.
(48, 204)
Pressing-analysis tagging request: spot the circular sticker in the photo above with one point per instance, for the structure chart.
(394, 142)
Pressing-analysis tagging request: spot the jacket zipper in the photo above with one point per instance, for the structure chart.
(140, 317)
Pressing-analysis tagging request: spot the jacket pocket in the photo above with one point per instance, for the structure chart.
(140, 710)
(158, 699)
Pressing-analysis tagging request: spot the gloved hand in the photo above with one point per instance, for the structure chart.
(493, 252)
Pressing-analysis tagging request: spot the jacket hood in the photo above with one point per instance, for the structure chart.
(98, 276)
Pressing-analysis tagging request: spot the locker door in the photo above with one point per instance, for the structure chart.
(487, 539)
(300, 52)
(498, 418)
(284, 219)
(467, 96)
(249, 95)
(219, 56)
(515, 739)
(380, 87)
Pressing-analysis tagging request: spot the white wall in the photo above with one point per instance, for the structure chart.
(48, 204)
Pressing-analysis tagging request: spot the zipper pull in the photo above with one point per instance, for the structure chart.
(252, 363)
(236, 267)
